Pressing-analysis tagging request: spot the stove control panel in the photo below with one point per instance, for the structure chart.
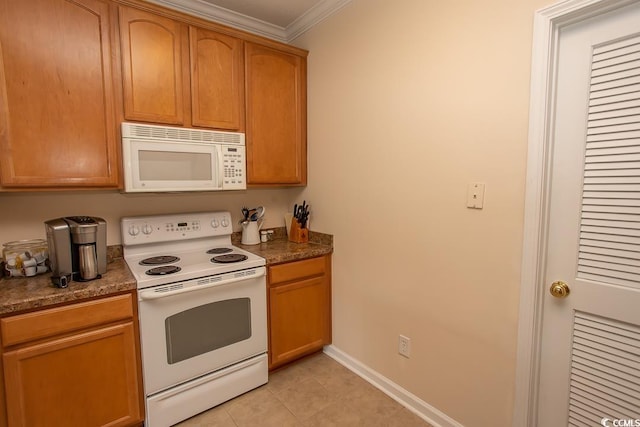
(182, 226)
(175, 227)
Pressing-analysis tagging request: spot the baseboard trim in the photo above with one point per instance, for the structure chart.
(393, 390)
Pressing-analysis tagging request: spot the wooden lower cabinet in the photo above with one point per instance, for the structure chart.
(67, 373)
(299, 309)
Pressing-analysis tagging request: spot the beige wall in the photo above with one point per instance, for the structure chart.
(22, 215)
(409, 101)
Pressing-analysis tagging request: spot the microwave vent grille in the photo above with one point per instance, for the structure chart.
(165, 133)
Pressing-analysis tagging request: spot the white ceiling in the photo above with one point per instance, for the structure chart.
(282, 20)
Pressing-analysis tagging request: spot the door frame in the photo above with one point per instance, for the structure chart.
(546, 29)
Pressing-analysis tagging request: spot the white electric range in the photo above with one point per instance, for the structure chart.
(202, 307)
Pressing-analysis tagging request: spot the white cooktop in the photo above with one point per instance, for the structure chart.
(186, 236)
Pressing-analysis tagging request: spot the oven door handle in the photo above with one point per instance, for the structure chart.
(204, 283)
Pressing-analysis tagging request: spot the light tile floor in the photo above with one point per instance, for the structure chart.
(315, 391)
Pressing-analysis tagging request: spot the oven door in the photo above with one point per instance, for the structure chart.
(192, 328)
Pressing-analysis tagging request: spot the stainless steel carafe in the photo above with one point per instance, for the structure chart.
(87, 262)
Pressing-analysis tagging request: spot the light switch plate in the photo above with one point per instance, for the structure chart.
(475, 195)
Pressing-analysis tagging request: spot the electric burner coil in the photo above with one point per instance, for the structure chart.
(163, 270)
(160, 259)
(229, 258)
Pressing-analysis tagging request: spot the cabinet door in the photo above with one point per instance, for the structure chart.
(276, 117)
(299, 319)
(85, 379)
(3, 405)
(154, 67)
(217, 80)
(57, 119)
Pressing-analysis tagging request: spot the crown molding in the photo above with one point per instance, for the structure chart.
(313, 16)
(218, 14)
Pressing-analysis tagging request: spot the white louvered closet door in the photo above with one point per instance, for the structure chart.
(590, 362)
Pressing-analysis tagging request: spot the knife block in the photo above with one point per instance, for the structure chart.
(297, 234)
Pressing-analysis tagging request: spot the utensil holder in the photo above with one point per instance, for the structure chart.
(297, 234)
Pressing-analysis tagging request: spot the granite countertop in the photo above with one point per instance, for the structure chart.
(24, 294)
(279, 249)
(21, 294)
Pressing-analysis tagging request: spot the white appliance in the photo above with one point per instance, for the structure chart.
(203, 312)
(162, 158)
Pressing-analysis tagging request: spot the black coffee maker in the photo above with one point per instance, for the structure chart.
(77, 248)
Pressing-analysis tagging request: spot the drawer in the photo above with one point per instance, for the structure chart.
(297, 270)
(55, 321)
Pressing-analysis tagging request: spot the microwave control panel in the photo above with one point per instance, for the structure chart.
(234, 165)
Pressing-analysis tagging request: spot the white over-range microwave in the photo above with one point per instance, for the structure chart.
(167, 159)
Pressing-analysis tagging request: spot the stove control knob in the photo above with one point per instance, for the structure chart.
(147, 229)
(134, 230)
(215, 223)
(225, 222)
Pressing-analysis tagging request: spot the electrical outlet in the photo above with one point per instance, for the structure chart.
(404, 346)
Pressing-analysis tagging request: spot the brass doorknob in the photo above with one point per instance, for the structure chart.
(559, 289)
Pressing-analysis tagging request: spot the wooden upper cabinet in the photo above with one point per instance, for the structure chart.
(276, 116)
(154, 67)
(217, 80)
(180, 75)
(57, 117)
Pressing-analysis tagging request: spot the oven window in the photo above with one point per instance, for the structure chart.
(206, 328)
(174, 166)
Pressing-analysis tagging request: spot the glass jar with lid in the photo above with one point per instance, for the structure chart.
(25, 257)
